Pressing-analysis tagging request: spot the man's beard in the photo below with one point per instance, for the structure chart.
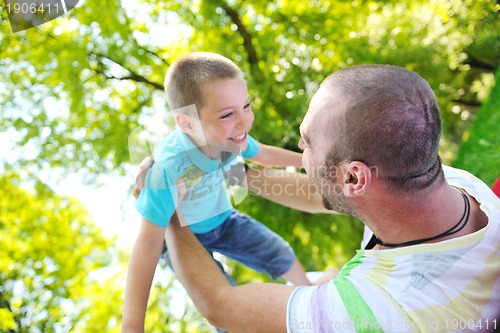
(332, 193)
(339, 204)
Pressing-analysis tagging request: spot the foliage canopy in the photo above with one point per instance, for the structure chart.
(74, 89)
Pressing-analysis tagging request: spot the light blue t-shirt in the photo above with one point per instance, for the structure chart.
(206, 204)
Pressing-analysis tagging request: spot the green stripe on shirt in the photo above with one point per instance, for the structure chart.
(360, 313)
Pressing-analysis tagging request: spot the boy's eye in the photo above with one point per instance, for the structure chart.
(227, 115)
(246, 106)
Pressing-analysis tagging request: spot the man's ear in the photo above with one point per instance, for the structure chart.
(185, 122)
(356, 177)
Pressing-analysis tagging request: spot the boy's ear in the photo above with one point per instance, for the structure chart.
(184, 122)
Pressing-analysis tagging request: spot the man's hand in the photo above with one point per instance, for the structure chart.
(140, 180)
(180, 221)
(181, 189)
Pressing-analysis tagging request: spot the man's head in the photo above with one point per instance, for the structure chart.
(215, 85)
(372, 121)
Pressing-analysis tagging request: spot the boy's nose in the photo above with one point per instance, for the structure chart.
(241, 121)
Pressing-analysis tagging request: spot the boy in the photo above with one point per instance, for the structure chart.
(200, 151)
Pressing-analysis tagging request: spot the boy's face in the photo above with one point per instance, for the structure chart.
(227, 115)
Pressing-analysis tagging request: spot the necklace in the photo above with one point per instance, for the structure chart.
(453, 230)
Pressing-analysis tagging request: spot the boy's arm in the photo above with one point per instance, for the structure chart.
(290, 189)
(275, 156)
(142, 265)
(247, 308)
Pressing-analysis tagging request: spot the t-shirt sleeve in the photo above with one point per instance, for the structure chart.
(252, 149)
(297, 309)
(317, 309)
(155, 202)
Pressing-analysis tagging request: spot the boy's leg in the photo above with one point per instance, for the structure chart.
(296, 274)
(256, 246)
(164, 256)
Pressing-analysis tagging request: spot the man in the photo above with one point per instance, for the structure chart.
(431, 260)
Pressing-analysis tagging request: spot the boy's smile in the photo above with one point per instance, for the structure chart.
(226, 117)
(240, 139)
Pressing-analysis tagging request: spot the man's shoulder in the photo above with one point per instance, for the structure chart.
(454, 173)
(469, 182)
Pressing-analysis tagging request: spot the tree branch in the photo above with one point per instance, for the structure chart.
(476, 63)
(133, 75)
(247, 37)
(467, 103)
(151, 53)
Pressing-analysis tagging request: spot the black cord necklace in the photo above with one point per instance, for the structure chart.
(453, 230)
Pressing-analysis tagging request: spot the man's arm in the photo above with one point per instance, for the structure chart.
(290, 189)
(247, 308)
(275, 156)
(142, 265)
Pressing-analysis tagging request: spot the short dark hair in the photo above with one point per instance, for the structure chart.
(391, 122)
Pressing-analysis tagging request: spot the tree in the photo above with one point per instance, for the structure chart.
(74, 89)
(480, 152)
(51, 256)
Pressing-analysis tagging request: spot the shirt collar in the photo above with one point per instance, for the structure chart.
(201, 160)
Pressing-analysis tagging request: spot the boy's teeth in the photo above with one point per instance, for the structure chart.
(239, 137)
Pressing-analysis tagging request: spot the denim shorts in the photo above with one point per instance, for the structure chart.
(249, 242)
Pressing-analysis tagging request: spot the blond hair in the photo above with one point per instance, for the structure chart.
(186, 78)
